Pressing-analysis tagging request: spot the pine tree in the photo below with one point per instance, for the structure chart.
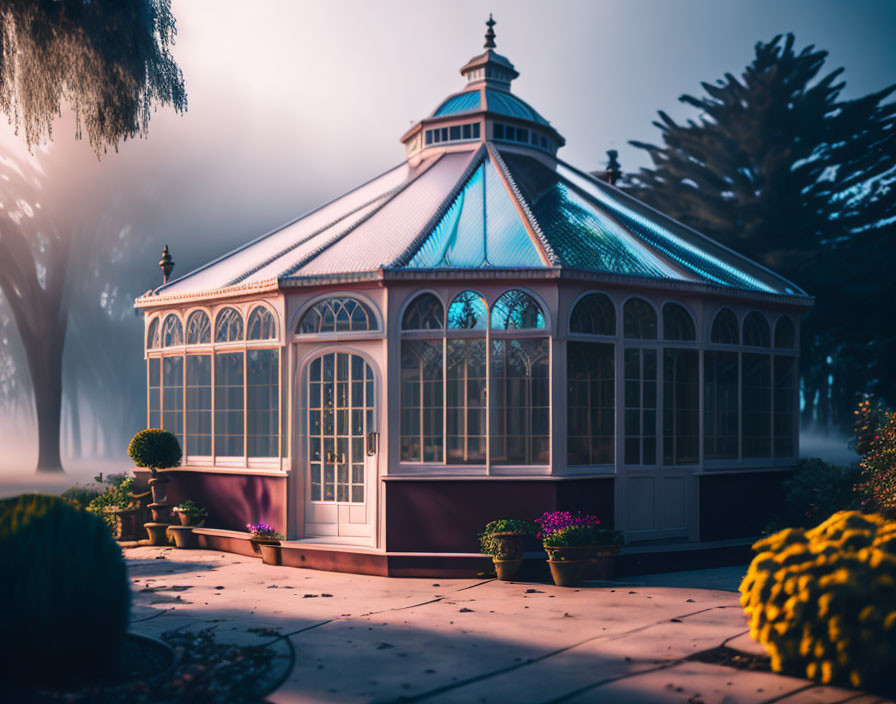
(778, 167)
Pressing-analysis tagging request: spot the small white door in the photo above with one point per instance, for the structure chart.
(340, 414)
(656, 504)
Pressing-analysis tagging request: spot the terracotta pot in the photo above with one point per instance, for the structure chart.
(270, 553)
(507, 569)
(510, 545)
(567, 573)
(161, 513)
(187, 519)
(159, 489)
(572, 552)
(258, 542)
(157, 533)
(184, 537)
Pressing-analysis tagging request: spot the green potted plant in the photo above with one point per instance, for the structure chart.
(265, 541)
(504, 540)
(156, 449)
(190, 513)
(572, 541)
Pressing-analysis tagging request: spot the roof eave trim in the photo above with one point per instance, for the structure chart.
(152, 300)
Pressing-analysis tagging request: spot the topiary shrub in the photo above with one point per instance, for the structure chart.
(823, 601)
(155, 448)
(64, 596)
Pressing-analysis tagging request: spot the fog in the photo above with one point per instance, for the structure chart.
(291, 104)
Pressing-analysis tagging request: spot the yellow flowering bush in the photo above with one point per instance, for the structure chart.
(823, 601)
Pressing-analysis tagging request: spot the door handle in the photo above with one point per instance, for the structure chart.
(373, 441)
(335, 458)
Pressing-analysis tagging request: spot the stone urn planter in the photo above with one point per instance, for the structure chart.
(158, 533)
(187, 519)
(161, 512)
(270, 553)
(504, 540)
(159, 489)
(184, 537)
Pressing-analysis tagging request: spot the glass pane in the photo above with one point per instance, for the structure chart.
(520, 407)
(677, 323)
(199, 328)
(725, 329)
(756, 405)
(594, 314)
(681, 407)
(591, 405)
(639, 320)
(517, 310)
(173, 397)
(337, 314)
(721, 413)
(421, 400)
(199, 404)
(262, 402)
(261, 325)
(468, 311)
(229, 404)
(228, 325)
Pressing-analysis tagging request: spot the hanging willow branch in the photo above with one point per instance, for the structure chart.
(109, 60)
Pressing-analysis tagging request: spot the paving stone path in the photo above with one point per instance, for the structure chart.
(375, 639)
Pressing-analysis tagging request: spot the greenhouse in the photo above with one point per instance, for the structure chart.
(482, 331)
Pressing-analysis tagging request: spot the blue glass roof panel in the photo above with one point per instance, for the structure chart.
(508, 104)
(459, 103)
(481, 228)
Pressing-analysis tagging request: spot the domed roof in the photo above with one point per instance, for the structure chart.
(496, 101)
(485, 203)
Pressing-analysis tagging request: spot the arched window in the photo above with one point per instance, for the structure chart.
(229, 325)
(638, 320)
(468, 311)
(725, 330)
(262, 325)
(337, 314)
(153, 338)
(199, 328)
(172, 331)
(594, 314)
(785, 335)
(425, 312)
(756, 331)
(517, 310)
(677, 323)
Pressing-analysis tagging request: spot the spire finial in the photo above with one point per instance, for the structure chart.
(490, 34)
(614, 168)
(166, 264)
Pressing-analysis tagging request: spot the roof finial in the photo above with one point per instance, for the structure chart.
(166, 265)
(490, 34)
(614, 168)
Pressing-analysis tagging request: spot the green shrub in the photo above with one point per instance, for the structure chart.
(815, 491)
(582, 535)
(823, 601)
(117, 496)
(80, 496)
(155, 448)
(878, 485)
(501, 549)
(64, 595)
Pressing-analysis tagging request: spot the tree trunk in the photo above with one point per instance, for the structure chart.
(45, 365)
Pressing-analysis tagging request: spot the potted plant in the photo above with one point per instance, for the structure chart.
(574, 540)
(265, 541)
(156, 449)
(190, 514)
(504, 540)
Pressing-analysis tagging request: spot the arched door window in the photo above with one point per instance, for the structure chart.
(337, 314)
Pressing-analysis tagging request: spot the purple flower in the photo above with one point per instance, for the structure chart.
(558, 520)
(262, 530)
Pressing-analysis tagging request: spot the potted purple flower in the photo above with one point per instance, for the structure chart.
(265, 541)
(572, 541)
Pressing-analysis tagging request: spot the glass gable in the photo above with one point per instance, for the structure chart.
(482, 228)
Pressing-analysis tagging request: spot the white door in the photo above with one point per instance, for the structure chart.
(657, 504)
(339, 415)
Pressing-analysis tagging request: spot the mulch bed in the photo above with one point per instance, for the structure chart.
(194, 667)
(733, 658)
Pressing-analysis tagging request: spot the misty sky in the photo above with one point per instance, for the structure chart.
(292, 103)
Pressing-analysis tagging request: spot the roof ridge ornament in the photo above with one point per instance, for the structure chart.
(490, 34)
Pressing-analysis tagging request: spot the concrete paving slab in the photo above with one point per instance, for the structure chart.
(362, 639)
